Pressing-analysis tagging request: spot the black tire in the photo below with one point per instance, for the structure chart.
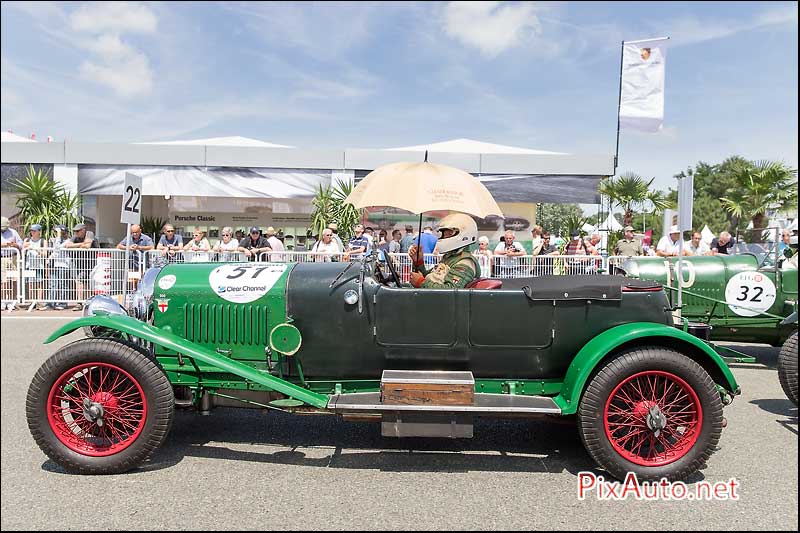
(135, 396)
(787, 367)
(690, 442)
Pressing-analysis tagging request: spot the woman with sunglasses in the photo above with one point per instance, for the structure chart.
(227, 246)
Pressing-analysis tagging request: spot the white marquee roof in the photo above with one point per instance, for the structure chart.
(8, 137)
(470, 146)
(223, 141)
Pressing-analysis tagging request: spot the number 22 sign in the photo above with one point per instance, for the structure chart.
(131, 199)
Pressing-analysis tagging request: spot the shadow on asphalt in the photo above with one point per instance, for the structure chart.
(782, 407)
(329, 442)
(765, 355)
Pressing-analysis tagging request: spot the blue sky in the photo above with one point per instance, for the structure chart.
(539, 75)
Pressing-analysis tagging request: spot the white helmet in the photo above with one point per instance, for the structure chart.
(465, 232)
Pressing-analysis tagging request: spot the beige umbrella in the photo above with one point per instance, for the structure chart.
(422, 187)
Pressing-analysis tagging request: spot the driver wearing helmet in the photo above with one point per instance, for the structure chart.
(458, 267)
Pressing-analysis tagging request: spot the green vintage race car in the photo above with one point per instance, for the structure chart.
(750, 296)
(348, 340)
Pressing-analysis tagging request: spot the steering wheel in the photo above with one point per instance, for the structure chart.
(390, 264)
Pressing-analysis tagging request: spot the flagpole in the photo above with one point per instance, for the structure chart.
(619, 102)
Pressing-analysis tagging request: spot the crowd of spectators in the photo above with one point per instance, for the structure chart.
(59, 270)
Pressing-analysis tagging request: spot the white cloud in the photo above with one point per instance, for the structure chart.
(118, 65)
(692, 30)
(129, 75)
(491, 27)
(113, 17)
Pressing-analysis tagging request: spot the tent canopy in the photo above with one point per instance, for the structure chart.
(8, 137)
(610, 224)
(229, 182)
(533, 187)
(222, 141)
(470, 146)
(706, 234)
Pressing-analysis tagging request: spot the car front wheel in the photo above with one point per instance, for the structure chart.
(99, 406)
(653, 412)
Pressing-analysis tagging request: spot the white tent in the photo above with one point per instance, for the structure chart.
(8, 137)
(547, 185)
(610, 224)
(588, 228)
(706, 235)
(470, 146)
(223, 141)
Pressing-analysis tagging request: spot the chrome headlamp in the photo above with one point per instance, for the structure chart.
(100, 304)
(140, 303)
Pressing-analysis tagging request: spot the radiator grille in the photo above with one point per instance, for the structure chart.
(228, 324)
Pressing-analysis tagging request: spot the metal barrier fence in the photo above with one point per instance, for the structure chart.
(162, 257)
(10, 275)
(58, 276)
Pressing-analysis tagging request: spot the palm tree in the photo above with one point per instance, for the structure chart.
(630, 191)
(761, 187)
(42, 201)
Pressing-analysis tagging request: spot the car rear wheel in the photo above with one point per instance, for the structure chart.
(99, 406)
(787, 367)
(653, 412)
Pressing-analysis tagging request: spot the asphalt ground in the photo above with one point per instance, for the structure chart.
(242, 469)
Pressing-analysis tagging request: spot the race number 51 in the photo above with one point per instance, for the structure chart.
(131, 199)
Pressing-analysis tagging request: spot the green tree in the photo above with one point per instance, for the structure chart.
(631, 192)
(329, 206)
(711, 183)
(556, 218)
(42, 201)
(759, 188)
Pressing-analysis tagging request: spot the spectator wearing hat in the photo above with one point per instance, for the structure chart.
(82, 261)
(35, 254)
(275, 244)
(628, 245)
(334, 227)
(577, 246)
(11, 247)
(59, 269)
(669, 245)
(253, 244)
(723, 244)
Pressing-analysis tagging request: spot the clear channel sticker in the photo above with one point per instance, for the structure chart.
(243, 283)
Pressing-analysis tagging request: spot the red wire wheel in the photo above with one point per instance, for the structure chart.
(100, 406)
(96, 409)
(653, 418)
(652, 411)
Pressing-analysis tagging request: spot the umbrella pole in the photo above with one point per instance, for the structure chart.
(419, 239)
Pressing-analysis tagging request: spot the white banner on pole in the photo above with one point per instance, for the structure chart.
(685, 203)
(641, 104)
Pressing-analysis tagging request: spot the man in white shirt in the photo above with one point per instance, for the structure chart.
(696, 246)
(509, 249)
(669, 245)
